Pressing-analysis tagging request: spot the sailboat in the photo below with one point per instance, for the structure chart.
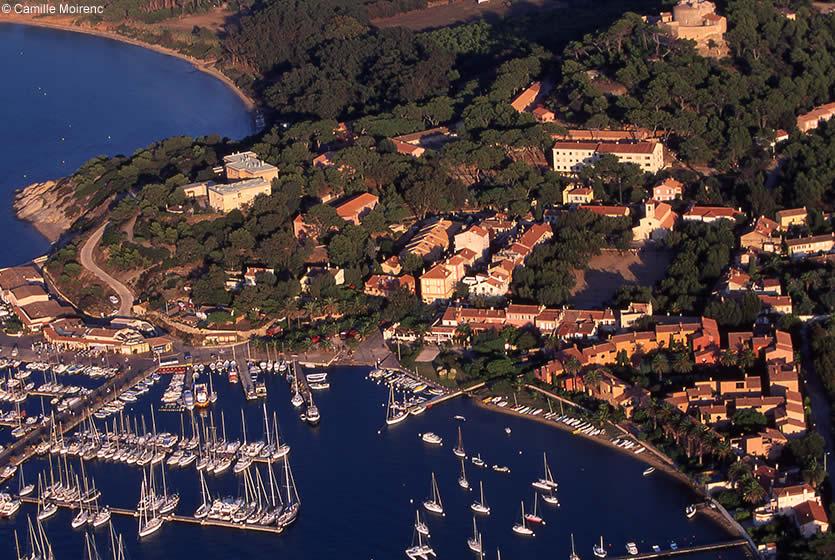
(462, 480)
(394, 412)
(474, 542)
(46, 509)
(547, 483)
(23, 488)
(434, 503)
(205, 507)
(522, 528)
(574, 555)
(459, 449)
(534, 517)
(39, 547)
(551, 498)
(420, 526)
(81, 517)
(598, 549)
(421, 550)
(480, 506)
(149, 521)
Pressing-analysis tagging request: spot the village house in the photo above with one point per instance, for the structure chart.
(812, 245)
(786, 498)
(570, 157)
(710, 214)
(811, 120)
(577, 195)
(634, 312)
(356, 208)
(252, 273)
(781, 305)
(607, 211)
(811, 519)
(667, 190)
(767, 444)
(475, 239)
(415, 144)
(528, 101)
(391, 266)
(234, 196)
(792, 217)
(763, 236)
(382, 285)
(658, 221)
(431, 241)
(242, 166)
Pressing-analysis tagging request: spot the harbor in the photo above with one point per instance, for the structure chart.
(353, 405)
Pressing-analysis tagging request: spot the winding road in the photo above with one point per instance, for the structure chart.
(88, 261)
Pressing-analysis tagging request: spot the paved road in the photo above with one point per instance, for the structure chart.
(820, 415)
(88, 261)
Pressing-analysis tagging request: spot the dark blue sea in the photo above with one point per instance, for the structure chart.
(361, 482)
(67, 97)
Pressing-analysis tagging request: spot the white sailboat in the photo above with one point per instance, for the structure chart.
(462, 479)
(395, 413)
(420, 526)
(149, 521)
(546, 483)
(522, 528)
(459, 449)
(419, 550)
(480, 506)
(434, 503)
(474, 542)
(598, 549)
(23, 488)
(574, 555)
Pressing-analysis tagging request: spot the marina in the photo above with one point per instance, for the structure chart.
(401, 470)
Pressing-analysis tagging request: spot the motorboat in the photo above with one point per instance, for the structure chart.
(632, 548)
(649, 470)
(690, 511)
(432, 438)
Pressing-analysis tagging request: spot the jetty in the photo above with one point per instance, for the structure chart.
(684, 550)
(173, 517)
(246, 382)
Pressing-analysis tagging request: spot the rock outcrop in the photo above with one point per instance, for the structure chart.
(50, 206)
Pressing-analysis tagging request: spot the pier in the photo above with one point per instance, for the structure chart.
(173, 517)
(246, 382)
(681, 551)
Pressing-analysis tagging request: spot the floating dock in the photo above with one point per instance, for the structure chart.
(681, 551)
(173, 517)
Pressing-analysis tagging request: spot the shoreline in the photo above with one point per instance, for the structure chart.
(201, 65)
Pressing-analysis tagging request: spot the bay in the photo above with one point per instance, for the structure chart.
(67, 97)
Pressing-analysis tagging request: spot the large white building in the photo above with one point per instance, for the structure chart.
(570, 157)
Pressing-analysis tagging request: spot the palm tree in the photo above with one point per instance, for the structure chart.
(593, 378)
(572, 367)
(739, 471)
(752, 491)
(682, 364)
(727, 358)
(659, 365)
